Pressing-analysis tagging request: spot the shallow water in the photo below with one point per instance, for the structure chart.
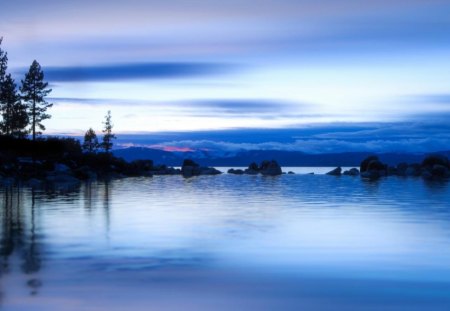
(293, 242)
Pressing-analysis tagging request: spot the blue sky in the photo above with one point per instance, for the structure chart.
(272, 66)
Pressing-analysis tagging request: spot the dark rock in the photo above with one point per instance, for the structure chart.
(253, 166)
(209, 171)
(435, 159)
(336, 172)
(191, 169)
(270, 168)
(352, 172)
(236, 172)
(365, 163)
(376, 165)
(249, 171)
(61, 168)
(291, 173)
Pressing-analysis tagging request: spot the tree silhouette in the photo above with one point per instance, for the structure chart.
(108, 136)
(34, 90)
(3, 62)
(3, 67)
(14, 112)
(90, 143)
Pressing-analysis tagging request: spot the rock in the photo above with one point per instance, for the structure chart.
(61, 168)
(373, 168)
(236, 172)
(209, 171)
(270, 168)
(435, 159)
(352, 172)
(291, 173)
(191, 169)
(336, 172)
(376, 165)
(251, 172)
(365, 163)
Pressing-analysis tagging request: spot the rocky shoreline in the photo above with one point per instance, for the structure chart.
(90, 167)
(433, 167)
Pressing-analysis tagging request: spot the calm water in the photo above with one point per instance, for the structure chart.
(294, 242)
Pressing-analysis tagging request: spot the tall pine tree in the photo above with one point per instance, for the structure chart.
(34, 90)
(108, 136)
(14, 112)
(3, 67)
(3, 62)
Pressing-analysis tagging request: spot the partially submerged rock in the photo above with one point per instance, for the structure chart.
(352, 172)
(191, 169)
(373, 168)
(336, 172)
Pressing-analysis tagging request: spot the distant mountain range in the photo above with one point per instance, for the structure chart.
(284, 158)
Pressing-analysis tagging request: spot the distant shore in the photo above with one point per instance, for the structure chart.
(61, 161)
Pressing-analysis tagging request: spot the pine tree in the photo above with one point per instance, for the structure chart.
(108, 136)
(34, 90)
(14, 113)
(3, 67)
(90, 143)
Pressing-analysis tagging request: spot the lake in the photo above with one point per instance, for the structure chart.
(292, 242)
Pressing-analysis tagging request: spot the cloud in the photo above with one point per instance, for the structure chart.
(319, 138)
(159, 70)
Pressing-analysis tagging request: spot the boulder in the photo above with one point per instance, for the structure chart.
(191, 169)
(336, 172)
(236, 172)
(373, 168)
(270, 168)
(435, 159)
(352, 172)
(365, 163)
(291, 173)
(209, 171)
(61, 168)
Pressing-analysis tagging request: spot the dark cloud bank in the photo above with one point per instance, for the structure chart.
(135, 71)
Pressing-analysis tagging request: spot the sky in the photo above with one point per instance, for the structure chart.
(311, 75)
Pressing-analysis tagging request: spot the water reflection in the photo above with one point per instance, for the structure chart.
(132, 232)
(19, 236)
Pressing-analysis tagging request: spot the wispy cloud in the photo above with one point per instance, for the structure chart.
(135, 71)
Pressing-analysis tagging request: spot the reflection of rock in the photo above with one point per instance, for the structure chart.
(190, 169)
(352, 172)
(336, 172)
